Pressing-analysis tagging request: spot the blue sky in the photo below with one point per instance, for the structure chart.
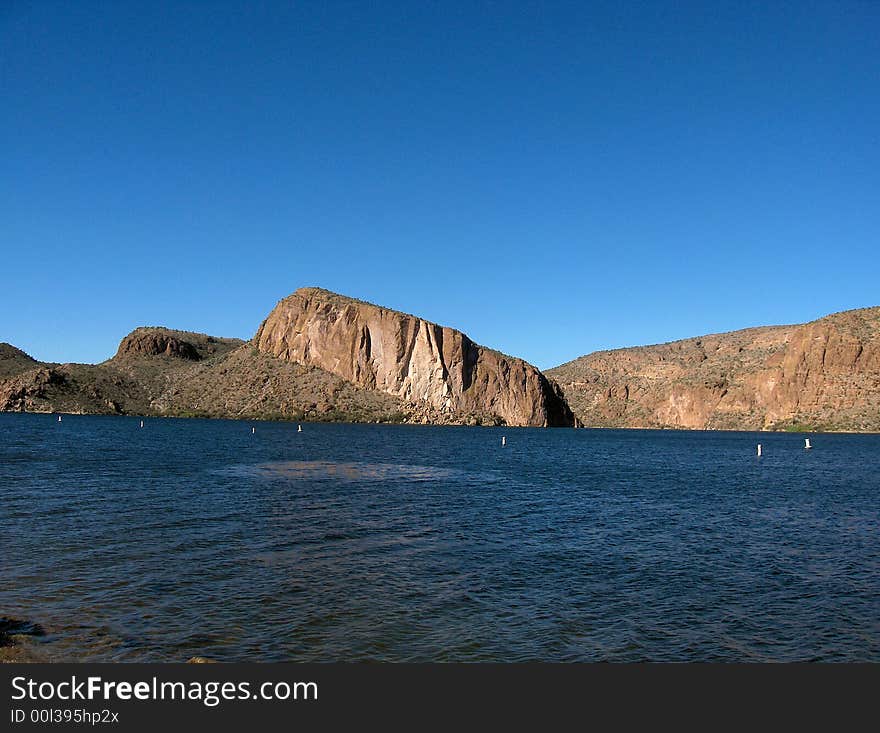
(551, 178)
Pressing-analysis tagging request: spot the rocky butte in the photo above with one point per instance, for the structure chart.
(409, 358)
(822, 375)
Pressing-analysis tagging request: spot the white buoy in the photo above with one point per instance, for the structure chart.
(59, 418)
(807, 445)
(142, 423)
(253, 430)
(299, 428)
(503, 440)
(759, 449)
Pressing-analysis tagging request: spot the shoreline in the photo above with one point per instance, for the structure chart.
(281, 420)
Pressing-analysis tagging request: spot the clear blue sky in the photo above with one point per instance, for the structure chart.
(552, 178)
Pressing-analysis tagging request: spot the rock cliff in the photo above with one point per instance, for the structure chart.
(160, 371)
(410, 358)
(822, 375)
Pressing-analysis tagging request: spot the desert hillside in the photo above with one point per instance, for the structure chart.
(822, 375)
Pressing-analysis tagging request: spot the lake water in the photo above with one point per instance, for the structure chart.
(406, 543)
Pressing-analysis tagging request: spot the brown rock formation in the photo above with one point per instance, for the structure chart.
(177, 344)
(158, 371)
(320, 356)
(410, 358)
(820, 375)
(27, 388)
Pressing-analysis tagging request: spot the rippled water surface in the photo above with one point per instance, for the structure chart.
(369, 542)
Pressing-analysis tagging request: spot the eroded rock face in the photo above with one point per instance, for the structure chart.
(824, 374)
(410, 358)
(155, 342)
(158, 341)
(22, 391)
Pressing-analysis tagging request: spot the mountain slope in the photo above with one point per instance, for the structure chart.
(14, 361)
(822, 375)
(161, 372)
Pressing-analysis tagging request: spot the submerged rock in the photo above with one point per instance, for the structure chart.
(14, 635)
(10, 627)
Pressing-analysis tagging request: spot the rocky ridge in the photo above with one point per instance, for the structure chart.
(164, 372)
(409, 358)
(822, 375)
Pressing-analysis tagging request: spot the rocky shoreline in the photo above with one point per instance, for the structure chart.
(17, 641)
(22, 642)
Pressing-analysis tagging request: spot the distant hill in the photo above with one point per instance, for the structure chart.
(322, 356)
(14, 361)
(159, 341)
(822, 375)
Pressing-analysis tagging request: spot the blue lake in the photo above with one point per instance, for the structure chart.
(407, 543)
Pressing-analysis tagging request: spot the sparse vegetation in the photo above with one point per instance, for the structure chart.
(820, 376)
(229, 379)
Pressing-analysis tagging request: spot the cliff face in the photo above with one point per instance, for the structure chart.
(819, 375)
(410, 358)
